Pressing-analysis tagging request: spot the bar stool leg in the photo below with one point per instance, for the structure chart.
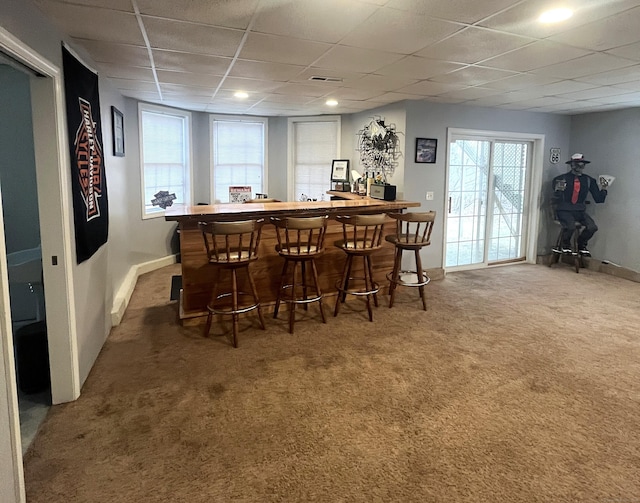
(397, 260)
(304, 284)
(314, 270)
(234, 295)
(346, 270)
(292, 305)
(254, 290)
(283, 277)
(420, 279)
(368, 285)
(214, 296)
(371, 287)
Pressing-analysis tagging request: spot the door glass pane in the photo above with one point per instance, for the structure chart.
(509, 173)
(468, 186)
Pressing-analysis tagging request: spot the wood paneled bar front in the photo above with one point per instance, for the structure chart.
(198, 277)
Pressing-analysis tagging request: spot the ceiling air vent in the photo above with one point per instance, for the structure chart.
(319, 78)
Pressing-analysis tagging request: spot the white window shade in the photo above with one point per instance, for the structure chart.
(238, 156)
(165, 153)
(315, 146)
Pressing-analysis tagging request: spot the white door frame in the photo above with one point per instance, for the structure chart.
(53, 181)
(532, 206)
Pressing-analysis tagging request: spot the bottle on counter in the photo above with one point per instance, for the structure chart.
(369, 184)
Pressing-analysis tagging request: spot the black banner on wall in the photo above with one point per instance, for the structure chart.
(88, 181)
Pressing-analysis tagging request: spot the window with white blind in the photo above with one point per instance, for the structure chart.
(165, 157)
(238, 155)
(314, 144)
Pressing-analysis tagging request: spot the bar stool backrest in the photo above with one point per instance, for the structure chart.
(231, 243)
(300, 236)
(362, 232)
(414, 228)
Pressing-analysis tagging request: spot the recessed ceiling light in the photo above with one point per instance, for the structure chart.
(241, 94)
(332, 103)
(555, 15)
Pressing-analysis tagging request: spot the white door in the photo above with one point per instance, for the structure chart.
(488, 187)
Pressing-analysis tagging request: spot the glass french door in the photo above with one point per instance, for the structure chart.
(487, 195)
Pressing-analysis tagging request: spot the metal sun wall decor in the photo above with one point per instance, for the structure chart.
(379, 148)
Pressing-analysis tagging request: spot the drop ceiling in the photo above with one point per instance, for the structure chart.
(291, 56)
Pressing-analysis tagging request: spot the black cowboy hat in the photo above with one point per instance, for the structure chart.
(577, 158)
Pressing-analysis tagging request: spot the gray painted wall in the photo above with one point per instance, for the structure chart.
(610, 141)
(17, 163)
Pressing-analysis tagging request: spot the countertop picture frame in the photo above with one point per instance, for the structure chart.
(340, 170)
(426, 150)
(117, 119)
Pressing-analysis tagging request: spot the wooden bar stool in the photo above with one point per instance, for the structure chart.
(362, 236)
(413, 232)
(231, 247)
(300, 241)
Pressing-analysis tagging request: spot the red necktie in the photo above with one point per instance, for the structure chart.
(576, 190)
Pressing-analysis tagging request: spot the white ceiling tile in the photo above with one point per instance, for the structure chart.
(579, 67)
(521, 81)
(122, 54)
(393, 97)
(544, 101)
(534, 56)
(273, 48)
(473, 75)
(630, 51)
(188, 62)
(236, 14)
(414, 67)
(428, 88)
(123, 5)
(621, 98)
(522, 18)
(190, 37)
(384, 82)
(613, 77)
(346, 93)
(198, 93)
(356, 60)
(93, 23)
(134, 85)
(563, 86)
(469, 93)
(472, 45)
(194, 79)
(303, 90)
(464, 11)
(126, 72)
(596, 92)
(392, 30)
(325, 21)
(249, 85)
(345, 77)
(268, 71)
(620, 29)
(287, 98)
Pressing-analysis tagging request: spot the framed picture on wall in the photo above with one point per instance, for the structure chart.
(118, 132)
(426, 150)
(340, 170)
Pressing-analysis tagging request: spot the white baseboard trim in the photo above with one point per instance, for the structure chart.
(123, 295)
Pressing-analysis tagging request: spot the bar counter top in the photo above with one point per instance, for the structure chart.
(226, 211)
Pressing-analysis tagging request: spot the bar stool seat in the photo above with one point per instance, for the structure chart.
(231, 247)
(362, 237)
(413, 232)
(300, 241)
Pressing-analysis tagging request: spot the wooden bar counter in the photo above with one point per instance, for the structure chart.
(198, 276)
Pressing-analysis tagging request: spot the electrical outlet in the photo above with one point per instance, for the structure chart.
(429, 196)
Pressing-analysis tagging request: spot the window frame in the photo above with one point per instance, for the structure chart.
(291, 146)
(187, 132)
(238, 118)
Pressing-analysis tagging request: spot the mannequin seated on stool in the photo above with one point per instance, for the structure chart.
(570, 192)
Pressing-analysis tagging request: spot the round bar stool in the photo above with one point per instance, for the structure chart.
(559, 250)
(413, 232)
(361, 237)
(300, 241)
(231, 247)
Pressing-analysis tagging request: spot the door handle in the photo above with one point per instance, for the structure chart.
(449, 204)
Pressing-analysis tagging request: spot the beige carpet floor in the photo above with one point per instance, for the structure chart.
(520, 384)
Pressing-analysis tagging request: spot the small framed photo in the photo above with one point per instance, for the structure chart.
(118, 132)
(340, 170)
(426, 150)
